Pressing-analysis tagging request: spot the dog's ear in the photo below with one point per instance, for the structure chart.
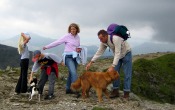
(115, 75)
(35, 89)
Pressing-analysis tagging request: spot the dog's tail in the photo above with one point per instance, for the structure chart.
(76, 85)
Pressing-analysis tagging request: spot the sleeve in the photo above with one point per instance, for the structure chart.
(117, 52)
(35, 67)
(57, 42)
(99, 52)
(55, 58)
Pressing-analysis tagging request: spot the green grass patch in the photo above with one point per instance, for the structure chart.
(155, 79)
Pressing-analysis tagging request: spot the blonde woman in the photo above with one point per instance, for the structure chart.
(21, 86)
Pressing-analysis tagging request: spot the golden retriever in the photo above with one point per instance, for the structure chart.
(98, 80)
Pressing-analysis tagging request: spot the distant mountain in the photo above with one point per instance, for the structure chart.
(9, 57)
(149, 47)
(37, 42)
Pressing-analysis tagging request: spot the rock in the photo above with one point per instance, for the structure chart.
(16, 104)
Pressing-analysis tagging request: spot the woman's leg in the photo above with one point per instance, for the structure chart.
(21, 86)
(72, 67)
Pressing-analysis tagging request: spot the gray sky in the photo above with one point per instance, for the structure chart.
(147, 20)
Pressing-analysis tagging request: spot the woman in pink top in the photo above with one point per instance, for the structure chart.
(72, 42)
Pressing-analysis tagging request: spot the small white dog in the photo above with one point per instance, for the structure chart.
(33, 90)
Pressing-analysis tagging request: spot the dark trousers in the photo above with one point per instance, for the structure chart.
(43, 79)
(21, 86)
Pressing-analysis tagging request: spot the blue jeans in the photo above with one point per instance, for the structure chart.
(72, 64)
(126, 62)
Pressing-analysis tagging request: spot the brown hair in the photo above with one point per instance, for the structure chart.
(103, 32)
(75, 26)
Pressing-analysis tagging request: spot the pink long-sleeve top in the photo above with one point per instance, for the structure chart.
(71, 42)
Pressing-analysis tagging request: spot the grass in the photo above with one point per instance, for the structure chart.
(155, 79)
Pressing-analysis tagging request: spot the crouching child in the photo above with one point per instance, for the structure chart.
(48, 63)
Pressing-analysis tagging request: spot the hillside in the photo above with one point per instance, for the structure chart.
(9, 57)
(155, 78)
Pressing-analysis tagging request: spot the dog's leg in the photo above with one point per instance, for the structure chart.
(106, 93)
(99, 94)
(83, 93)
(87, 91)
(31, 97)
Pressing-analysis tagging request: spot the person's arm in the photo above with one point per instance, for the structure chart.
(55, 43)
(35, 68)
(31, 77)
(25, 37)
(99, 52)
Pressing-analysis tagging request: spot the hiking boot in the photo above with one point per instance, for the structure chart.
(77, 94)
(48, 97)
(126, 95)
(114, 93)
(69, 91)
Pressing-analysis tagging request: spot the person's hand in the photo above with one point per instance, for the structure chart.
(62, 63)
(44, 48)
(31, 77)
(111, 69)
(78, 50)
(88, 65)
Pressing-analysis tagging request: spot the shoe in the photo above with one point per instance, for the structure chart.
(69, 91)
(77, 95)
(48, 97)
(114, 93)
(126, 95)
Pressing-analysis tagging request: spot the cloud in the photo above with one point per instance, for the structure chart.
(150, 19)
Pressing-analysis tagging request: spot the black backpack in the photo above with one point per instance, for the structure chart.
(119, 30)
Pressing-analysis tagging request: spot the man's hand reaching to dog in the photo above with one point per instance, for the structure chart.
(111, 69)
(88, 65)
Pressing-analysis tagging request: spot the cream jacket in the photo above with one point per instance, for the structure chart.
(119, 47)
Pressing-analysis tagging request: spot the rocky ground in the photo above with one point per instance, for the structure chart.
(62, 101)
